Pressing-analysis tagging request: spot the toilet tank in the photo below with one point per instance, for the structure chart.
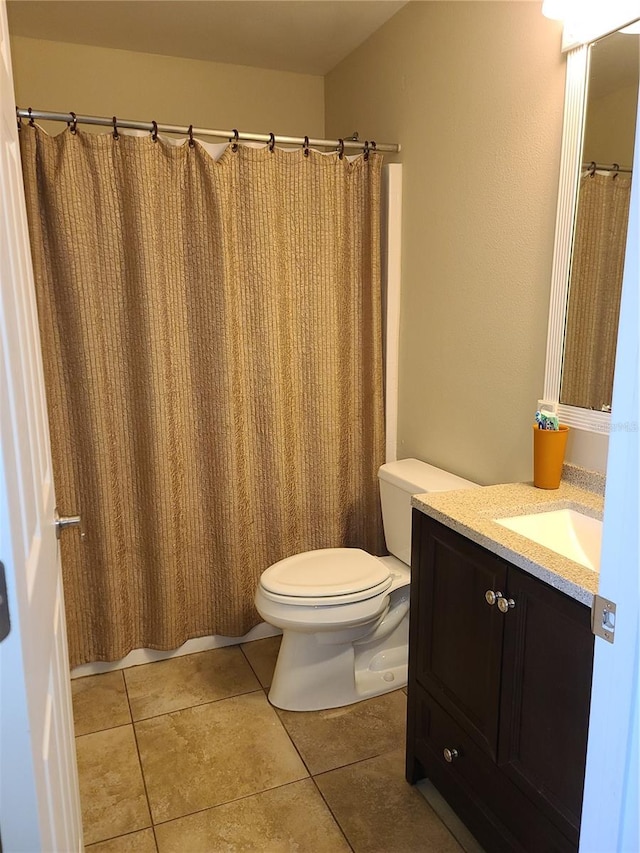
(398, 482)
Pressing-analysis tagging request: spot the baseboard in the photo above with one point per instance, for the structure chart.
(198, 644)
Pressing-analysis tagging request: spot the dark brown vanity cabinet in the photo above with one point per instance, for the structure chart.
(500, 670)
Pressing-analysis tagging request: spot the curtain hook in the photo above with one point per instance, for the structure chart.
(616, 170)
(341, 148)
(116, 135)
(31, 121)
(73, 124)
(272, 142)
(154, 132)
(192, 143)
(366, 149)
(592, 168)
(234, 140)
(305, 146)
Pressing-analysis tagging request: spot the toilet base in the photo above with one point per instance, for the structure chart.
(313, 673)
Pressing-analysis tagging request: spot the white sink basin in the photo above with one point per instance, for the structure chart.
(564, 531)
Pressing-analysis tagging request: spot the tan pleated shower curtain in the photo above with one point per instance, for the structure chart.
(595, 290)
(213, 361)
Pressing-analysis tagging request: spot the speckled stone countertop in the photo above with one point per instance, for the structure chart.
(472, 513)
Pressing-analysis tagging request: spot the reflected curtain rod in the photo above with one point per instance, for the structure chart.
(603, 167)
(150, 126)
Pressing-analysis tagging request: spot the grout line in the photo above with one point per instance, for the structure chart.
(230, 802)
(197, 705)
(135, 738)
(116, 837)
(100, 731)
(252, 668)
(357, 761)
(333, 815)
(293, 743)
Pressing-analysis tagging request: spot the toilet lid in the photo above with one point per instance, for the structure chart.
(327, 573)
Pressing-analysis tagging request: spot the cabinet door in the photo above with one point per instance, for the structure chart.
(456, 635)
(547, 666)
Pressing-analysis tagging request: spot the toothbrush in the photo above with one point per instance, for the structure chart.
(547, 421)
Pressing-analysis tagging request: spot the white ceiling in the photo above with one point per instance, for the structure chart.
(306, 36)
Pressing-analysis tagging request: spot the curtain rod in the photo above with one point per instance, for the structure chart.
(151, 127)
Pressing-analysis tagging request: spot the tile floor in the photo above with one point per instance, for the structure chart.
(187, 755)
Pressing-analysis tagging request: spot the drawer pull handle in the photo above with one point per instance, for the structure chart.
(450, 755)
(506, 604)
(491, 597)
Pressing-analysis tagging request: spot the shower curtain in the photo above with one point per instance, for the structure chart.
(213, 363)
(595, 290)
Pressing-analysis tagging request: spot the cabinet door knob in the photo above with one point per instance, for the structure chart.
(491, 597)
(506, 604)
(450, 755)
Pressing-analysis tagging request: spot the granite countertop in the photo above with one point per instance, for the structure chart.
(471, 512)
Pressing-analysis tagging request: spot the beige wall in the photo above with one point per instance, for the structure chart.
(101, 81)
(474, 92)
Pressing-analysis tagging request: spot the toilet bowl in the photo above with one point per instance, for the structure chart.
(344, 614)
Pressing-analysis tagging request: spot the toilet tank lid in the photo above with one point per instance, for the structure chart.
(416, 477)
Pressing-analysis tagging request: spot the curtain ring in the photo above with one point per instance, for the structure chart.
(373, 145)
(73, 125)
(19, 120)
(341, 148)
(154, 132)
(234, 140)
(592, 168)
(31, 121)
(305, 146)
(366, 149)
(272, 142)
(616, 171)
(116, 135)
(192, 143)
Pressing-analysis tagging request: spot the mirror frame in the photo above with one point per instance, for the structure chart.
(575, 103)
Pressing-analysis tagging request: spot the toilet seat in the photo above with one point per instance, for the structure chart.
(326, 577)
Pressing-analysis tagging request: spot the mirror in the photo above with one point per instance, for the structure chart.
(598, 127)
(600, 228)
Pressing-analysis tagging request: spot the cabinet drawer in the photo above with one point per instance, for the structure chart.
(436, 732)
(496, 811)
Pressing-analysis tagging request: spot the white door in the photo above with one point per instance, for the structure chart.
(610, 811)
(39, 802)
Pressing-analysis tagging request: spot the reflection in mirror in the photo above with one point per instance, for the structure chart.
(601, 223)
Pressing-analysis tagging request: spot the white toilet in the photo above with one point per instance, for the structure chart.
(345, 614)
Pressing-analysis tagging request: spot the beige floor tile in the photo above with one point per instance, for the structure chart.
(181, 682)
(380, 812)
(214, 753)
(291, 818)
(111, 788)
(99, 702)
(136, 842)
(262, 655)
(339, 736)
